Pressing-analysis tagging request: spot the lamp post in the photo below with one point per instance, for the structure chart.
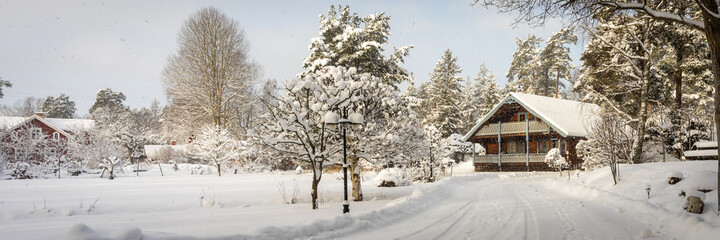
(332, 118)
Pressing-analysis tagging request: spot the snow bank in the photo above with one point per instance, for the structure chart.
(664, 207)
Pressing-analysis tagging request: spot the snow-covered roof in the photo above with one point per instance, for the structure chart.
(701, 153)
(567, 117)
(10, 122)
(706, 144)
(60, 124)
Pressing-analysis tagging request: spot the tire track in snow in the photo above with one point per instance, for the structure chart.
(527, 205)
(465, 209)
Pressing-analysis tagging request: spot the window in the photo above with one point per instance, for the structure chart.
(56, 136)
(554, 143)
(512, 147)
(35, 132)
(542, 146)
(525, 115)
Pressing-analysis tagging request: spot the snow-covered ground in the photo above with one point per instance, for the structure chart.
(466, 206)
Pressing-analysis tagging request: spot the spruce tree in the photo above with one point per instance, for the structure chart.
(445, 95)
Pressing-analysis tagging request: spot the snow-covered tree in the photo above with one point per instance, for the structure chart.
(555, 62)
(215, 146)
(26, 144)
(488, 92)
(445, 95)
(525, 67)
(60, 107)
(296, 123)
(108, 108)
(210, 73)
(555, 160)
(98, 148)
(349, 40)
(610, 142)
(620, 70)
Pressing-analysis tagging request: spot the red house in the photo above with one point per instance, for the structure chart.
(34, 139)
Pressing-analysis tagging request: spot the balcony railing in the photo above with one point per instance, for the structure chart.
(507, 158)
(512, 128)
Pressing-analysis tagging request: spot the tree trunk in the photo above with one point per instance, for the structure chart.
(712, 33)
(314, 191)
(355, 177)
(218, 169)
(640, 138)
(111, 170)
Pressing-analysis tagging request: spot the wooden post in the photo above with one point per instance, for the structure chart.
(499, 145)
(473, 149)
(527, 142)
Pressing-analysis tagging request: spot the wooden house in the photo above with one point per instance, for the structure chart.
(34, 138)
(519, 131)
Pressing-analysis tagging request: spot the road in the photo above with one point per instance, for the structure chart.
(512, 208)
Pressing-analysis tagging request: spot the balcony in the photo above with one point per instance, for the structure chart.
(513, 128)
(508, 158)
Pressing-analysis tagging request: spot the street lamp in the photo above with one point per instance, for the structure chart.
(332, 118)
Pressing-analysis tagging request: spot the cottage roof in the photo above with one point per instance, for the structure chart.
(567, 117)
(60, 124)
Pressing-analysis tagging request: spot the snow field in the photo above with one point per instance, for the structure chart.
(467, 206)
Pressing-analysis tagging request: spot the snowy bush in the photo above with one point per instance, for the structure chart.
(555, 160)
(392, 177)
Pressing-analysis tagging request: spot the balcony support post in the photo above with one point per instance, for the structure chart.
(527, 143)
(499, 145)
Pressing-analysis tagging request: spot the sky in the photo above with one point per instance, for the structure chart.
(79, 47)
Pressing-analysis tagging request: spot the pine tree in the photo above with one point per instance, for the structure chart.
(525, 67)
(555, 62)
(445, 95)
(60, 107)
(349, 40)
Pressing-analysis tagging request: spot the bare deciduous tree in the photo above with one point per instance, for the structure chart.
(210, 72)
(22, 108)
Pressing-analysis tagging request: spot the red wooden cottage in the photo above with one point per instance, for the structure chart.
(33, 139)
(519, 131)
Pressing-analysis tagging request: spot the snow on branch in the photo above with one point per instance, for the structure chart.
(643, 7)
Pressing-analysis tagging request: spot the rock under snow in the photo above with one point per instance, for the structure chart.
(694, 204)
(673, 177)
